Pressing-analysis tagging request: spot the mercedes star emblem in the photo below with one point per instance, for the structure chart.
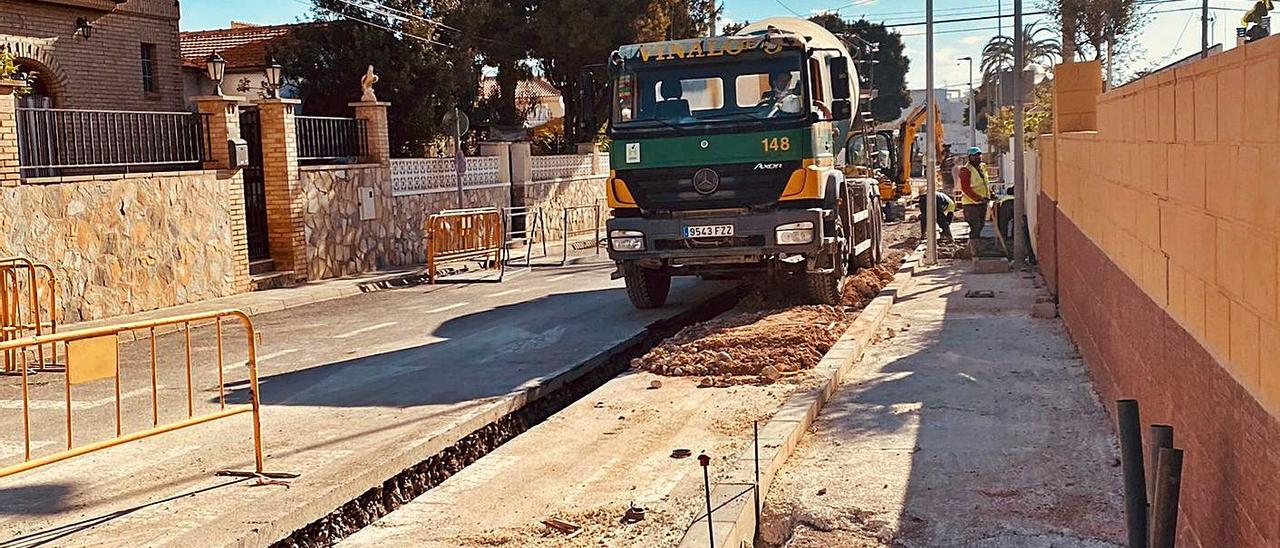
(706, 181)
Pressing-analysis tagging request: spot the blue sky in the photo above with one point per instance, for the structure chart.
(1168, 37)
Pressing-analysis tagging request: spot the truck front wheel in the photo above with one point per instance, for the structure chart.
(646, 288)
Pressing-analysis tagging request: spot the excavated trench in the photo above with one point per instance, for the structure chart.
(418, 479)
(381, 500)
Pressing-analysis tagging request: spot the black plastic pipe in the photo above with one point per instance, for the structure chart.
(1159, 436)
(1135, 489)
(1164, 512)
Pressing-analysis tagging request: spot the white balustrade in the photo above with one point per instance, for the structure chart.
(411, 176)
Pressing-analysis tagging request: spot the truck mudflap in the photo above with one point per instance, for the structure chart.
(737, 239)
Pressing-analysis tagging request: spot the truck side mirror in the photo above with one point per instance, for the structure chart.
(841, 109)
(840, 79)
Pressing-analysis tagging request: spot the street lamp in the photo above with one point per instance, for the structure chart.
(273, 77)
(84, 27)
(216, 68)
(973, 122)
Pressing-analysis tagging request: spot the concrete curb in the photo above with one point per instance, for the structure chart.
(734, 521)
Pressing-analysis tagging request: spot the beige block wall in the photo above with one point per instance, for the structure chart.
(122, 244)
(1176, 187)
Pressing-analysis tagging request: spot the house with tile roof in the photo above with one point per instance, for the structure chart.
(536, 96)
(246, 49)
(95, 54)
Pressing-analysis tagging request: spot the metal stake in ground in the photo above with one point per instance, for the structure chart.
(705, 461)
(755, 444)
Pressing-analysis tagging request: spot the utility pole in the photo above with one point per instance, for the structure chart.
(711, 33)
(931, 183)
(973, 104)
(1204, 30)
(1019, 138)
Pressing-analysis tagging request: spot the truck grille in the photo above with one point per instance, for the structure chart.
(740, 185)
(709, 243)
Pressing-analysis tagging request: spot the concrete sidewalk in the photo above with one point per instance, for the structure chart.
(970, 423)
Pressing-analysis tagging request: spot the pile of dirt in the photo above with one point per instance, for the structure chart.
(766, 345)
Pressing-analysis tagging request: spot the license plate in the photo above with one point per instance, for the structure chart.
(708, 231)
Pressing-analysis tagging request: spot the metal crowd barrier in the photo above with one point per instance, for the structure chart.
(94, 355)
(533, 230)
(21, 277)
(463, 234)
(578, 213)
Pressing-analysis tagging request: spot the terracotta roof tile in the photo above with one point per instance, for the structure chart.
(241, 46)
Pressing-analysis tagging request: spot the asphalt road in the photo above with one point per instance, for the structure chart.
(354, 390)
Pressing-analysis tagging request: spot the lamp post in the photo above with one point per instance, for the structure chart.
(273, 77)
(973, 101)
(216, 68)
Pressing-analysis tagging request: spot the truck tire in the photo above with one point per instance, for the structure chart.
(646, 288)
(875, 222)
(824, 287)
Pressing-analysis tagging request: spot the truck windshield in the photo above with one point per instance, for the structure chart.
(764, 87)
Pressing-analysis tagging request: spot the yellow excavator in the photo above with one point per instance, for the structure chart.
(886, 153)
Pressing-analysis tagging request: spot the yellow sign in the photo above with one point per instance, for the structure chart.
(705, 47)
(92, 359)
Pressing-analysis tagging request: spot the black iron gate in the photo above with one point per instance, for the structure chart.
(255, 188)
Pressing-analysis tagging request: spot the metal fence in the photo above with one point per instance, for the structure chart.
(330, 139)
(411, 176)
(74, 141)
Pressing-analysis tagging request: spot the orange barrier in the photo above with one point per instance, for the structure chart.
(462, 234)
(20, 277)
(94, 355)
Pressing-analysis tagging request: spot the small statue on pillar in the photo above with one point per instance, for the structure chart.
(366, 86)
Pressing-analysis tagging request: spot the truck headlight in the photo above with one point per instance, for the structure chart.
(626, 240)
(794, 233)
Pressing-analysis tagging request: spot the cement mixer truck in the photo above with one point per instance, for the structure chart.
(726, 161)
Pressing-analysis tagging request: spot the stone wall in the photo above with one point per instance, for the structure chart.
(553, 196)
(410, 213)
(338, 242)
(127, 243)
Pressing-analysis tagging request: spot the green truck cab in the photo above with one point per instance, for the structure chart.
(726, 162)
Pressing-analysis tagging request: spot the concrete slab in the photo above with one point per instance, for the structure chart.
(973, 424)
(354, 391)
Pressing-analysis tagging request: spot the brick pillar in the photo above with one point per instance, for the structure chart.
(377, 142)
(222, 121)
(221, 115)
(285, 200)
(10, 174)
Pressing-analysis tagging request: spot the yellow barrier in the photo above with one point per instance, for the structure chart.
(94, 354)
(20, 277)
(461, 234)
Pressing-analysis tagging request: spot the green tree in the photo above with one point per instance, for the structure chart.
(563, 50)
(1089, 27)
(422, 81)
(1038, 120)
(890, 72)
(499, 32)
(997, 55)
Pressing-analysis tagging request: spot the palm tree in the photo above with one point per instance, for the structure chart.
(997, 55)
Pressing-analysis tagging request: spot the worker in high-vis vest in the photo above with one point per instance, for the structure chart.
(975, 192)
(1004, 214)
(946, 214)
